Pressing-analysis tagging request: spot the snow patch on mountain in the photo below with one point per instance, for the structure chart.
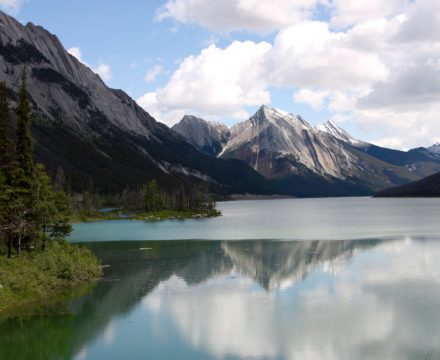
(339, 133)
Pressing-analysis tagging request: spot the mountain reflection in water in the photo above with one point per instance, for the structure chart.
(246, 299)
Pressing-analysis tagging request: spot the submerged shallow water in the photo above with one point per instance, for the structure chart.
(371, 298)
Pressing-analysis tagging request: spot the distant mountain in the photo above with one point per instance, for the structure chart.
(277, 144)
(434, 149)
(100, 135)
(426, 187)
(287, 149)
(208, 137)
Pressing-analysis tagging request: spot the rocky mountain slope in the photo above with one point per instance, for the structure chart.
(208, 137)
(284, 147)
(434, 149)
(100, 135)
(426, 187)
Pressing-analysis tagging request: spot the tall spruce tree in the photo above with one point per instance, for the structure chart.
(23, 136)
(6, 151)
(30, 210)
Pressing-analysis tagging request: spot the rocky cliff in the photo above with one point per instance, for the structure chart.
(100, 135)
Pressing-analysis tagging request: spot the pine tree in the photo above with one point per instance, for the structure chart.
(23, 136)
(153, 199)
(5, 130)
(51, 210)
(30, 210)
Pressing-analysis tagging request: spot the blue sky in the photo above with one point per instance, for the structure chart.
(133, 42)
(370, 66)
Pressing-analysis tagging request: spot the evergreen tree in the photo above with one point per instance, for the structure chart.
(23, 136)
(5, 131)
(51, 210)
(60, 179)
(153, 199)
(30, 210)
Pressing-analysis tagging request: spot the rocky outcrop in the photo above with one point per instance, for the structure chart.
(208, 137)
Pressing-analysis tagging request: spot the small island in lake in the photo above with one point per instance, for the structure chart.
(149, 202)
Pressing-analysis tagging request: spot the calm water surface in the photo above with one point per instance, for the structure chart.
(290, 219)
(376, 297)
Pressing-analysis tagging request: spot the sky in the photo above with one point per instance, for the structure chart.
(370, 66)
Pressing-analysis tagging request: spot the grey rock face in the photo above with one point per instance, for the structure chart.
(46, 60)
(208, 137)
(278, 144)
(100, 135)
(277, 137)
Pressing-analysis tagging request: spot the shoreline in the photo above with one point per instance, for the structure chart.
(147, 216)
(237, 197)
(31, 282)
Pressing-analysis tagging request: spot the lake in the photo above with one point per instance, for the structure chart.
(288, 219)
(352, 278)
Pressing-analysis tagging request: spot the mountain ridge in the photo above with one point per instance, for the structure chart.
(98, 135)
(281, 145)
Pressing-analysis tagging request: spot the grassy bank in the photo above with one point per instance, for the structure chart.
(148, 216)
(34, 279)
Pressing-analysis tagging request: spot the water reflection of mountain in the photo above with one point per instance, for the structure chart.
(136, 268)
(276, 264)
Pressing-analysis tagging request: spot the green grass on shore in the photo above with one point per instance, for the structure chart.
(34, 279)
(173, 214)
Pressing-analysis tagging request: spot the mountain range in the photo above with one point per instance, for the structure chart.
(101, 138)
(285, 148)
(100, 135)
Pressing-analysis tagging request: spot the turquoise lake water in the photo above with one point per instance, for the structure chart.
(354, 278)
(289, 219)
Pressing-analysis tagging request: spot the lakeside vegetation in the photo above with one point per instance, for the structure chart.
(35, 262)
(166, 214)
(36, 211)
(33, 278)
(150, 202)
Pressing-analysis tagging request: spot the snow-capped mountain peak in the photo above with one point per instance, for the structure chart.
(339, 133)
(266, 115)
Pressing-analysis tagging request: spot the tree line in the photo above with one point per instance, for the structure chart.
(150, 197)
(32, 212)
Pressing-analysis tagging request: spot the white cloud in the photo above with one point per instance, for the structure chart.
(314, 98)
(103, 70)
(423, 22)
(379, 70)
(233, 318)
(349, 12)
(76, 52)
(223, 82)
(11, 6)
(153, 73)
(217, 82)
(310, 55)
(232, 15)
